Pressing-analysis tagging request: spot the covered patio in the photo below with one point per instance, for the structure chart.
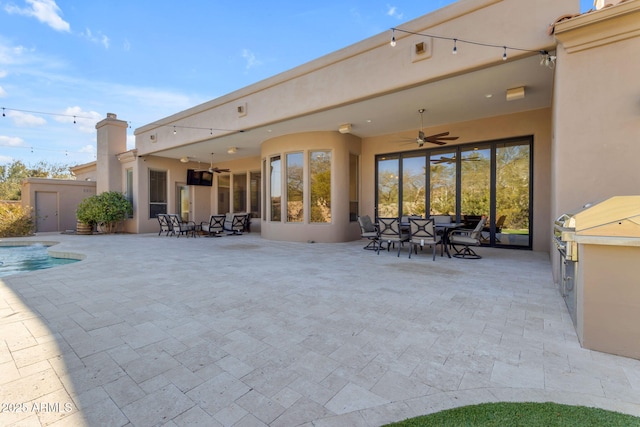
(150, 330)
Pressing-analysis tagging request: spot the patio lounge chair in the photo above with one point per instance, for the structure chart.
(165, 225)
(368, 231)
(467, 239)
(236, 223)
(215, 226)
(423, 233)
(391, 232)
(179, 227)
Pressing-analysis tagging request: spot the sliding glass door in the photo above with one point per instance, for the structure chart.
(491, 179)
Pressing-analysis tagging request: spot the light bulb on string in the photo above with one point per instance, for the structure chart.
(455, 47)
(174, 130)
(393, 37)
(504, 55)
(3, 114)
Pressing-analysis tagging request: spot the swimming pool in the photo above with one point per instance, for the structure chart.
(16, 259)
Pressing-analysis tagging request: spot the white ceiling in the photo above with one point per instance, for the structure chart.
(452, 100)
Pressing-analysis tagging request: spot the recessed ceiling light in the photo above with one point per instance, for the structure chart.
(368, 120)
(489, 95)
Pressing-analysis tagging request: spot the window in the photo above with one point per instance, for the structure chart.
(129, 190)
(320, 186)
(275, 193)
(157, 192)
(224, 194)
(240, 192)
(353, 187)
(255, 185)
(388, 190)
(414, 185)
(295, 187)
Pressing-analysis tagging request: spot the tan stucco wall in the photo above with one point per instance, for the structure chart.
(69, 194)
(536, 123)
(596, 109)
(340, 229)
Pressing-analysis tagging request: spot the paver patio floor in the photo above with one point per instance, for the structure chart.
(242, 331)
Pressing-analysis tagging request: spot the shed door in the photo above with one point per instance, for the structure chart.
(46, 211)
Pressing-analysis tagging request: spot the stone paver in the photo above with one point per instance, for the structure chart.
(241, 331)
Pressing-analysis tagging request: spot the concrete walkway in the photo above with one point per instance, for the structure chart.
(241, 331)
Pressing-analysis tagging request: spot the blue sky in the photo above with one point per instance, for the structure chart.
(70, 60)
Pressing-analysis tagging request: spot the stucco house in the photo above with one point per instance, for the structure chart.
(540, 98)
(537, 104)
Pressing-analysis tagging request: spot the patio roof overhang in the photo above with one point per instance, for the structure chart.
(474, 95)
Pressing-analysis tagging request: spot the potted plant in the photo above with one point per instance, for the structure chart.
(104, 210)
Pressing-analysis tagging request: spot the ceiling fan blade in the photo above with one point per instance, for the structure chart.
(438, 135)
(443, 138)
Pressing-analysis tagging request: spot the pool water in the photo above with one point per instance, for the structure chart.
(16, 259)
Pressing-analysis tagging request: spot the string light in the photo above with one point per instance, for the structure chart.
(77, 117)
(47, 114)
(548, 59)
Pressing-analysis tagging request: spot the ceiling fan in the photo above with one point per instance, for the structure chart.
(212, 169)
(438, 139)
(453, 159)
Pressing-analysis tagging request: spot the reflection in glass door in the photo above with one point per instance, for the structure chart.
(388, 189)
(414, 185)
(442, 183)
(182, 201)
(475, 184)
(511, 226)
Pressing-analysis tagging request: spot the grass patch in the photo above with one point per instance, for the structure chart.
(523, 414)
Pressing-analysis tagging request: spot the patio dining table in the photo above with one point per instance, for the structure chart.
(447, 228)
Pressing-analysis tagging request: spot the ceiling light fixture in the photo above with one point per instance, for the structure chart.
(184, 159)
(232, 150)
(515, 93)
(345, 128)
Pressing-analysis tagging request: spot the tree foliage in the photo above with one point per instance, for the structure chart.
(12, 175)
(105, 210)
(15, 221)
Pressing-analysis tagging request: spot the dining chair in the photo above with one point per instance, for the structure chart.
(391, 232)
(423, 233)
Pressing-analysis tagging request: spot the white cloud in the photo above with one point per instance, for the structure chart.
(85, 120)
(99, 38)
(45, 11)
(250, 59)
(11, 141)
(25, 119)
(90, 149)
(3, 93)
(393, 12)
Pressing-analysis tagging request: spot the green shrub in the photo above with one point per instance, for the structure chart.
(105, 210)
(15, 221)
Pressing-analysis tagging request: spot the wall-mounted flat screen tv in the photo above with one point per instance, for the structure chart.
(195, 177)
